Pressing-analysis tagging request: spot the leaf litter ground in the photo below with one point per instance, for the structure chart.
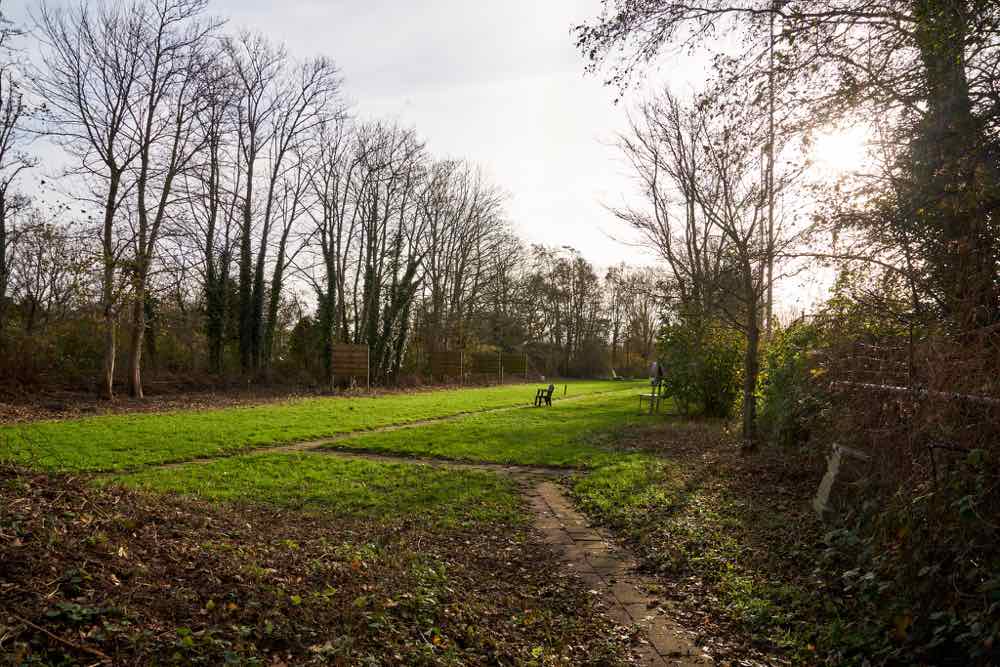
(110, 574)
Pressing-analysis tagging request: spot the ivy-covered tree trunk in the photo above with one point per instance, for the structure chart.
(954, 188)
(246, 276)
(216, 268)
(274, 302)
(4, 268)
(327, 309)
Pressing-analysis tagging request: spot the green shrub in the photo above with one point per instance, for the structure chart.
(792, 400)
(703, 362)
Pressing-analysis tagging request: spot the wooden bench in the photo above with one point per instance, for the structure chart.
(654, 397)
(544, 396)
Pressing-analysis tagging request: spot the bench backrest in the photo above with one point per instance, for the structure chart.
(551, 389)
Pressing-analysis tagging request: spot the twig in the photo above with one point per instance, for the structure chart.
(79, 647)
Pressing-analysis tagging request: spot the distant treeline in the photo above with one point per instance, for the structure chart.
(225, 215)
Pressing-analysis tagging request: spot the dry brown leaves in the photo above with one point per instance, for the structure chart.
(86, 573)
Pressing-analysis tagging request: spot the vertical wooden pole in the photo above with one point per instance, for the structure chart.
(368, 367)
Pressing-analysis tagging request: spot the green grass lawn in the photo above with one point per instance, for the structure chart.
(572, 433)
(119, 442)
(346, 487)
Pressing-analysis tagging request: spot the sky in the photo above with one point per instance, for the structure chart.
(497, 82)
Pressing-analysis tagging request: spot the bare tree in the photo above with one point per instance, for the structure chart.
(212, 191)
(700, 169)
(13, 157)
(500, 311)
(172, 43)
(278, 106)
(50, 273)
(257, 66)
(464, 227)
(335, 220)
(389, 248)
(91, 65)
(308, 97)
(644, 305)
(291, 202)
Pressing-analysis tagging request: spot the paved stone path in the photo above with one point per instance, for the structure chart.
(611, 573)
(591, 553)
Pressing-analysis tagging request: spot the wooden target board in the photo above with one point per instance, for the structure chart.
(515, 364)
(485, 363)
(351, 361)
(447, 364)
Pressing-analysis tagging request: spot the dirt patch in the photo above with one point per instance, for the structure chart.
(73, 405)
(53, 404)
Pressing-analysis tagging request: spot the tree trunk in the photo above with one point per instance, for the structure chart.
(257, 309)
(107, 382)
(328, 325)
(29, 321)
(136, 340)
(108, 372)
(4, 269)
(246, 273)
(215, 325)
(274, 303)
(215, 299)
(751, 368)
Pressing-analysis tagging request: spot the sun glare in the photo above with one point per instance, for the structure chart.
(841, 151)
